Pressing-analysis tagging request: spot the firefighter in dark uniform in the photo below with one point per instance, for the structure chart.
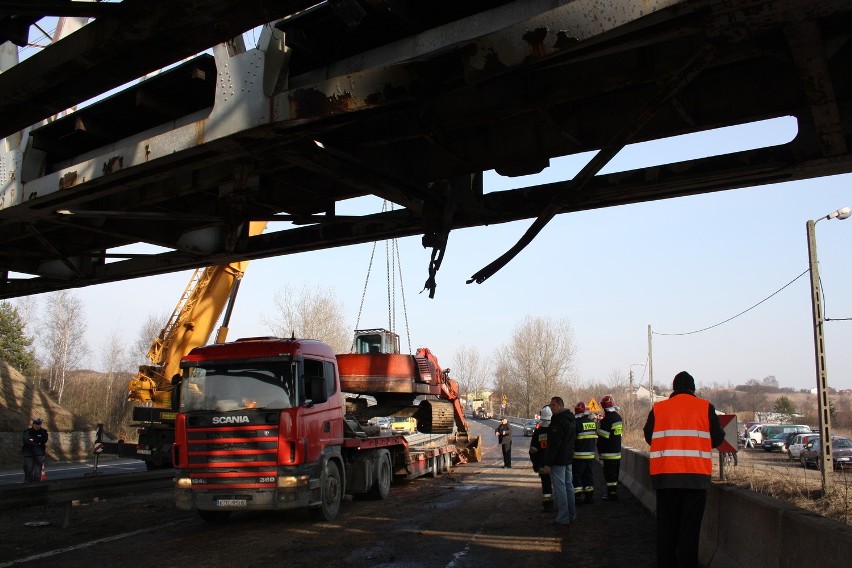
(538, 450)
(584, 454)
(610, 429)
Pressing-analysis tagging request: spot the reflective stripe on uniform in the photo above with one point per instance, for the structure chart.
(681, 454)
(695, 433)
(611, 456)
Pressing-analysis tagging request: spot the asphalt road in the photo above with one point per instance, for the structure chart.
(106, 465)
(477, 515)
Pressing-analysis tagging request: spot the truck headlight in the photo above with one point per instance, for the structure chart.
(183, 483)
(291, 481)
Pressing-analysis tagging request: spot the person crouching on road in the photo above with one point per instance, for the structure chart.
(33, 450)
(538, 449)
(584, 454)
(557, 461)
(610, 429)
(682, 431)
(504, 435)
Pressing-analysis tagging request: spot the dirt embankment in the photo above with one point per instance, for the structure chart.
(22, 400)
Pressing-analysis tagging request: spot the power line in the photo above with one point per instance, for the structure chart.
(739, 314)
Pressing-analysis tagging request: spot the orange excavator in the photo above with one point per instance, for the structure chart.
(380, 381)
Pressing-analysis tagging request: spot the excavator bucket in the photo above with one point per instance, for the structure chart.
(469, 449)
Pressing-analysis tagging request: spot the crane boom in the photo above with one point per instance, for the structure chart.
(209, 291)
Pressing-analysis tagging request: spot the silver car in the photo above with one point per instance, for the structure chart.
(529, 426)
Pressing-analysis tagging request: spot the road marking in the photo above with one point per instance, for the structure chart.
(87, 544)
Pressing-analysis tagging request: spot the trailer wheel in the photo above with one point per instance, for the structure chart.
(384, 474)
(433, 462)
(331, 493)
(214, 516)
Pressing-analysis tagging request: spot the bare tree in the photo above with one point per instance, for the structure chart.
(537, 363)
(470, 371)
(115, 360)
(149, 331)
(311, 312)
(62, 336)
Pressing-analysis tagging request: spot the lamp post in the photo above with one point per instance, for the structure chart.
(825, 460)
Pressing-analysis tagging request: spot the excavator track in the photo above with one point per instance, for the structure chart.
(435, 417)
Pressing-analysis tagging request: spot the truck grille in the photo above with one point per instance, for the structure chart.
(233, 456)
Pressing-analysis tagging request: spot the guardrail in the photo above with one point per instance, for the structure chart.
(66, 491)
(742, 529)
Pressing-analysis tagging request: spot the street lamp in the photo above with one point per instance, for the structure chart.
(826, 463)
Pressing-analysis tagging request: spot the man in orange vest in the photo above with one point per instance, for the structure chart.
(682, 431)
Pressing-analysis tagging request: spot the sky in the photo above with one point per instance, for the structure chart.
(677, 265)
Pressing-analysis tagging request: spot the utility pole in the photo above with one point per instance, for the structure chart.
(650, 367)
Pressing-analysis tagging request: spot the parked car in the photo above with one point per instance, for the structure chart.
(789, 439)
(798, 444)
(774, 443)
(841, 452)
(529, 426)
(404, 425)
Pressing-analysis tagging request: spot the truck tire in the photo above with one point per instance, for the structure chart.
(331, 493)
(384, 474)
(214, 516)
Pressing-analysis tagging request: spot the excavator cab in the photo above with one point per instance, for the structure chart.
(372, 341)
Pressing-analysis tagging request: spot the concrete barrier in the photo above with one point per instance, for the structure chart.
(746, 529)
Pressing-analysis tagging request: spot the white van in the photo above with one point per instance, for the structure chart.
(753, 437)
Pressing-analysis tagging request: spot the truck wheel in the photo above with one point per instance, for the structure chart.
(330, 494)
(433, 461)
(381, 487)
(214, 516)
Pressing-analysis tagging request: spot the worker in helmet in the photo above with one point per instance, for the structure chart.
(610, 429)
(584, 454)
(538, 450)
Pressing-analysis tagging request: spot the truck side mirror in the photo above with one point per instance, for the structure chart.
(176, 391)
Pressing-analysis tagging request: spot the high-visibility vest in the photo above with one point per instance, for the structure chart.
(587, 435)
(681, 439)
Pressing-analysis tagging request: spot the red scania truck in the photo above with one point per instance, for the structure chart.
(263, 425)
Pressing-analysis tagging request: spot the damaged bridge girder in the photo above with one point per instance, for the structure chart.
(376, 102)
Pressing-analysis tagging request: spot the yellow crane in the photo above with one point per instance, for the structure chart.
(209, 292)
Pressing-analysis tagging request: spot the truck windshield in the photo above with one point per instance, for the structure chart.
(237, 387)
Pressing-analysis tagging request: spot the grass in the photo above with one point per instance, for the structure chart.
(798, 486)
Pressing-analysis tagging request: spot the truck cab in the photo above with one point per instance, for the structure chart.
(259, 422)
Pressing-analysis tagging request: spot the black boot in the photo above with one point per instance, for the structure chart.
(590, 498)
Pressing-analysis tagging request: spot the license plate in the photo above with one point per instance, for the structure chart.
(144, 452)
(231, 502)
(841, 459)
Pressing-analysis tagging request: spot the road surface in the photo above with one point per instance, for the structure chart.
(479, 515)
